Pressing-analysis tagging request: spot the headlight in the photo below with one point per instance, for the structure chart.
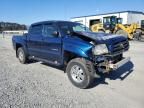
(100, 49)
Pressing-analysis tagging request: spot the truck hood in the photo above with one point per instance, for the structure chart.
(101, 38)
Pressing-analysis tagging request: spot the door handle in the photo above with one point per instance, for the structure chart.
(54, 49)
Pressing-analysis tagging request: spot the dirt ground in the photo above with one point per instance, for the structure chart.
(37, 85)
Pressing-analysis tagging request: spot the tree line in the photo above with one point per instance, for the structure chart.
(6, 26)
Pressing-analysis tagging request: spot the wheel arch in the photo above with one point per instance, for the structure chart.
(19, 45)
(69, 55)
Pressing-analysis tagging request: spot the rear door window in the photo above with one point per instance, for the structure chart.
(36, 30)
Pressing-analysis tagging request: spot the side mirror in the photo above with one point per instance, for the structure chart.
(55, 33)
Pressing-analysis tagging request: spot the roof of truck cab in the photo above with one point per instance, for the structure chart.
(52, 21)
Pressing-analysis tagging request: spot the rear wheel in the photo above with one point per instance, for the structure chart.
(122, 32)
(21, 55)
(79, 74)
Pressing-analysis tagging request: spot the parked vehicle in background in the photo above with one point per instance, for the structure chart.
(112, 24)
(127, 23)
(82, 53)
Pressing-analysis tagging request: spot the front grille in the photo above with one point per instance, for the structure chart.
(120, 46)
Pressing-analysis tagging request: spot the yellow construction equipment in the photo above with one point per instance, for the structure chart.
(114, 25)
(97, 28)
(128, 30)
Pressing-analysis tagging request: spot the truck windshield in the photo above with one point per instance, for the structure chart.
(79, 27)
(72, 27)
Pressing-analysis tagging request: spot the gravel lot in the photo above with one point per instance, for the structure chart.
(37, 85)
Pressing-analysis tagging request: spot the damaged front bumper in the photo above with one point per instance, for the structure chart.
(118, 64)
(105, 64)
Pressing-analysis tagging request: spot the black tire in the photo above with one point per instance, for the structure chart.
(138, 34)
(21, 55)
(87, 76)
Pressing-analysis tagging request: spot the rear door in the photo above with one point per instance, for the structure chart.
(34, 41)
(52, 44)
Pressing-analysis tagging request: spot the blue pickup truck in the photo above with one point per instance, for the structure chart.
(82, 53)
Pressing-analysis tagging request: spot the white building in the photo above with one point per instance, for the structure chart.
(128, 17)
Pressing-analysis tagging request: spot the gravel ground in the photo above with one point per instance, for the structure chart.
(37, 85)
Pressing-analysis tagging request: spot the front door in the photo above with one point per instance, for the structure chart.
(52, 44)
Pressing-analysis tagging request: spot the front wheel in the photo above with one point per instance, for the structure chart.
(78, 73)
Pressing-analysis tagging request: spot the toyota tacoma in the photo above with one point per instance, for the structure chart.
(82, 53)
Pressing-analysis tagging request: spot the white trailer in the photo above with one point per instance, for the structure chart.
(128, 17)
